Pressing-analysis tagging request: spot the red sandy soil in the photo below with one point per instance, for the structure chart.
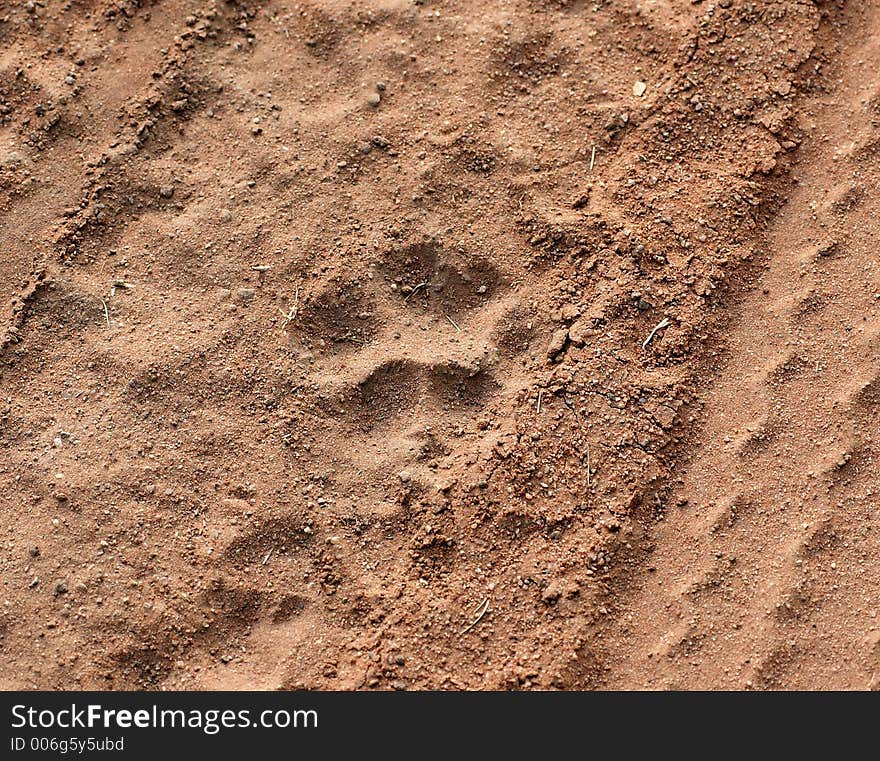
(448, 344)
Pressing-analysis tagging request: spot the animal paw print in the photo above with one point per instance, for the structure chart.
(420, 338)
(409, 353)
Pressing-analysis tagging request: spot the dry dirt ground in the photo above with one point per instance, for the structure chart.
(440, 344)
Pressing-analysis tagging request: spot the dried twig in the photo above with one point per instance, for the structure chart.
(268, 555)
(417, 287)
(452, 322)
(588, 464)
(106, 313)
(484, 606)
(540, 394)
(120, 284)
(291, 315)
(664, 323)
(593, 158)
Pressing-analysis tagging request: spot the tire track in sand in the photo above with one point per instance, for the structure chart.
(765, 571)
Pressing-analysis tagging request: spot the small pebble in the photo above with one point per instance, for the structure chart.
(557, 343)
